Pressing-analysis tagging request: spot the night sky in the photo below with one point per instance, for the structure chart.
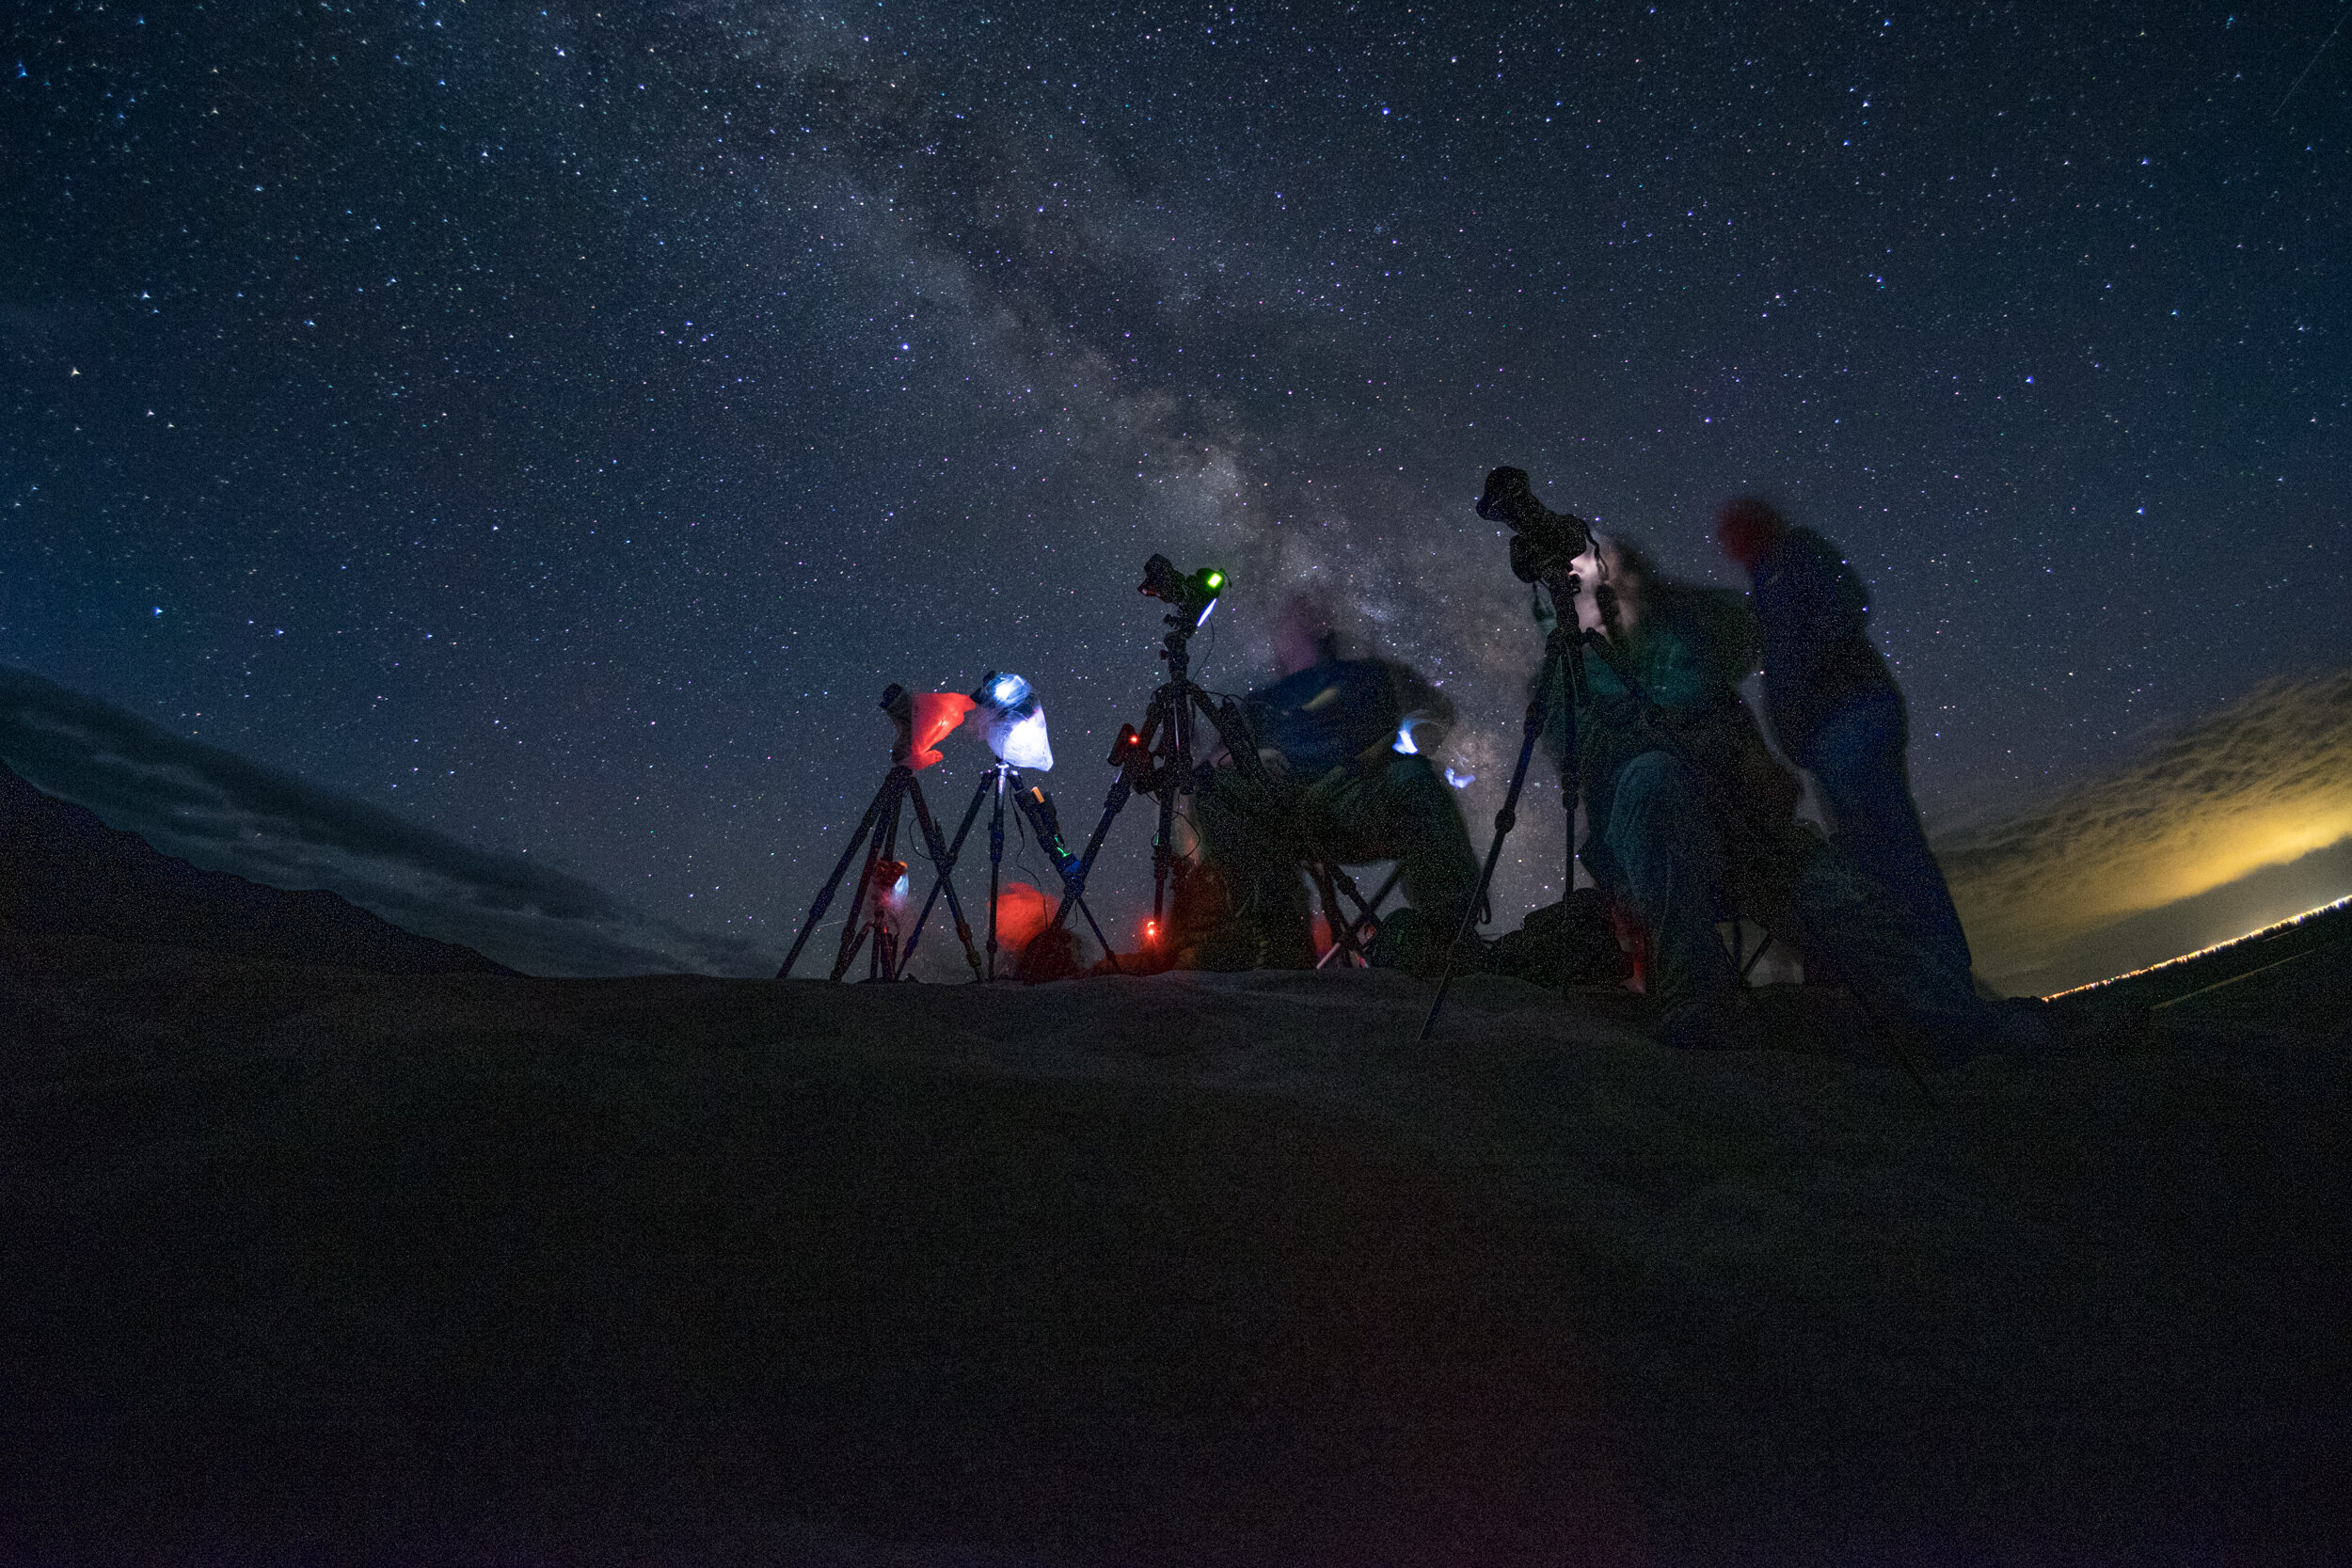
(556, 427)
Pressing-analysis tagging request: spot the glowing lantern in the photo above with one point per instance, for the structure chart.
(1016, 722)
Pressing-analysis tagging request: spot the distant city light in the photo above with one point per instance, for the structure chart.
(2188, 958)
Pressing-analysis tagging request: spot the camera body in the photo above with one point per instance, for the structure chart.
(1192, 597)
(1544, 544)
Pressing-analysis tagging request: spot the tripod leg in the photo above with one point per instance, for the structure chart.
(955, 852)
(882, 958)
(855, 948)
(1122, 788)
(854, 929)
(833, 883)
(1232, 729)
(1108, 951)
(995, 867)
(1112, 805)
(1162, 854)
(1505, 820)
(939, 852)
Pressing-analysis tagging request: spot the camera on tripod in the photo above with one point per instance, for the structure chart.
(1544, 544)
(1193, 596)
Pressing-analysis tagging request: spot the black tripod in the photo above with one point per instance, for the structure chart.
(1563, 672)
(1157, 759)
(1044, 825)
(878, 835)
(1545, 546)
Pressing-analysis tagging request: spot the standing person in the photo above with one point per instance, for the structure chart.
(1835, 709)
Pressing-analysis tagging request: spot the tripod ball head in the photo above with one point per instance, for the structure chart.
(1544, 542)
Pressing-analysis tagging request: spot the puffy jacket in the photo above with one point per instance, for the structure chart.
(1690, 651)
(1343, 711)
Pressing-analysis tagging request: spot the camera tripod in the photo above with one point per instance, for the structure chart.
(1044, 825)
(1545, 546)
(1563, 672)
(878, 835)
(1157, 759)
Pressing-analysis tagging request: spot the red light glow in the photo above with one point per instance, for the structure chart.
(1021, 913)
(935, 714)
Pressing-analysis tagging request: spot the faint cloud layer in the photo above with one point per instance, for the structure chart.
(221, 811)
(2264, 783)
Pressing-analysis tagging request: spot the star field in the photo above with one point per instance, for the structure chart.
(558, 425)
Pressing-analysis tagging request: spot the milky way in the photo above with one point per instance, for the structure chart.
(555, 427)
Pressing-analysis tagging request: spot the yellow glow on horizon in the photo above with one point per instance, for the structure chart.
(2260, 783)
(2208, 853)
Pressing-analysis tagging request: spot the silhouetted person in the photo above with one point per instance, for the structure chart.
(1835, 709)
(1690, 818)
(1338, 786)
(1692, 821)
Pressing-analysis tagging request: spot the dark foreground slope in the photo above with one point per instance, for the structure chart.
(65, 873)
(309, 1265)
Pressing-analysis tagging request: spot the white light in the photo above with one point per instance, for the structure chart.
(1460, 780)
(1206, 612)
(1405, 745)
(1016, 723)
(1021, 741)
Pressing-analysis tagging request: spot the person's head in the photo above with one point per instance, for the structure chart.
(1303, 634)
(1628, 572)
(1747, 527)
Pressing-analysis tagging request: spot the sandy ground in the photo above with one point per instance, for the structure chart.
(307, 1265)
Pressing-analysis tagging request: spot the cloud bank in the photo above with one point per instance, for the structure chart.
(225, 813)
(2223, 804)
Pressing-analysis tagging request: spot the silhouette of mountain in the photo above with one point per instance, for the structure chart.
(63, 873)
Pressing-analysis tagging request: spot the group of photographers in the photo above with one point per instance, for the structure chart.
(1692, 821)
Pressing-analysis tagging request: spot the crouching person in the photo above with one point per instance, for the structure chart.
(1689, 819)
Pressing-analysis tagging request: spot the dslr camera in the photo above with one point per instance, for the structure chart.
(1544, 544)
(1192, 597)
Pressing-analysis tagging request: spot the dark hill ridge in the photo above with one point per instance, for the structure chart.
(63, 873)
